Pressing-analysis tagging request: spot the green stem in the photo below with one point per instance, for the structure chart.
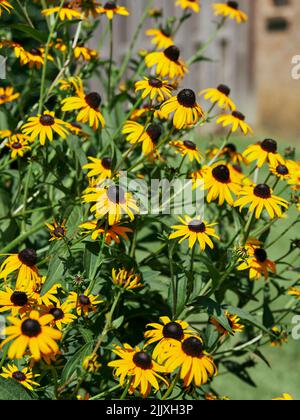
(27, 183)
(111, 52)
(171, 388)
(104, 394)
(22, 238)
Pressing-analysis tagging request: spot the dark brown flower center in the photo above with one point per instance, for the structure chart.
(116, 194)
(172, 53)
(282, 170)
(19, 298)
(3, 97)
(192, 347)
(190, 145)
(35, 51)
(93, 100)
(230, 148)
(110, 5)
(269, 145)
(233, 5)
(84, 300)
(59, 232)
(187, 98)
(221, 173)
(154, 132)
(31, 328)
(262, 191)
(155, 83)
(238, 115)
(57, 313)
(16, 145)
(142, 360)
(261, 255)
(106, 163)
(47, 120)
(224, 89)
(197, 226)
(19, 376)
(28, 257)
(173, 330)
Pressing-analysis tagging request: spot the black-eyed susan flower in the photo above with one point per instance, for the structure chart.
(193, 5)
(148, 136)
(18, 144)
(87, 7)
(165, 333)
(257, 263)
(261, 197)
(87, 105)
(5, 5)
(111, 8)
(284, 397)
(237, 121)
(167, 63)
(32, 332)
(221, 183)
(84, 53)
(113, 233)
(99, 168)
(281, 336)
(234, 322)
(91, 363)
(45, 299)
(19, 51)
(18, 302)
(62, 314)
(126, 279)
(83, 303)
(24, 263)
(187, 148)
(185, 109)
(293, 291)
(231, 154)
(219, 96)
(231, 10)
(43, 127)
(160, 37)
(66, 12)
(154, 88)
(265, 151)
(5, 134)
(57, 230)
(7, 95)
(195, 230)
(195, 364)
(281, 171)
(25, 377)
(139, 367)
(34, 57)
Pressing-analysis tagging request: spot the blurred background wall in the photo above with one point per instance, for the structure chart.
(254, 59)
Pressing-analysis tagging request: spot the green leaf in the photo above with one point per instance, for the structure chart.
(31, 32)
(76, 146)
(214, 310)
(76, 361)
(74, 221)
(11, 390)
(90, 258)
(57, 268)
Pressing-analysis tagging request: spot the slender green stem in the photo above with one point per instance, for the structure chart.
(26, 189)
(104, 394)
(126, 389)
(171, 387)
(111, 53)
(26, 15)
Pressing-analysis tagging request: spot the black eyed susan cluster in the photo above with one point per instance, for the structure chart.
(84, 269)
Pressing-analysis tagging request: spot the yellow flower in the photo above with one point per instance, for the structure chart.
(257, 262)
(164, 335)
(234, 322)
(265, 151)
(34, 58)
(154, 88)
(24, 377)
(5, 5)
(65, 13)
(187, 148)
(195, 364)
(32, 332)
(62, 315)
(113, 233)
(5, 134)
(285, 397)
(161, 38)
(83, 303)
(43, 126)
(87, 104)
(18, 144)
(189, 4)
(99, 168)
(58, 231)
(91, 364)
(25, 264)
(261, 197)
(236, 120)
(195, 230)
(125, 279)
(167, 63)
(85, 53)
(112, 201)
(219, 96)
(7, 94)
(187, 112)
(282, 171)
(111, 8)
(221, 183)
(231, 10)
(18, 302)
(281, 337)
(138, 366)
(137, 133)
(293, 291)
(46, 299)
